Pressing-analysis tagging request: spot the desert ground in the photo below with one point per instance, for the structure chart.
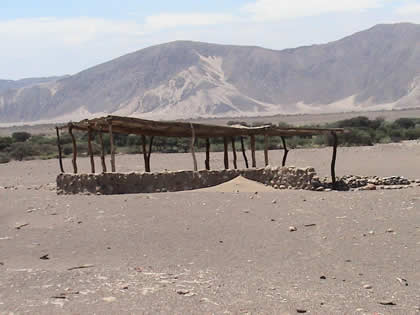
(222, 250)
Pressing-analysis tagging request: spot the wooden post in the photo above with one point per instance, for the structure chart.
(254, 161)
(101, 140)
(192, 148)
(90, 150)
(266, 150)
(150, 151)
(207, 161)
(243, 152)
(73, 139)
(285, 151)
(226, 157)
(235, 164)
(60, 154)
(334, 156)
(146, 154)
(111, 142)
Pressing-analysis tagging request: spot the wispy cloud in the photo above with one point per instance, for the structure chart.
(268, 10)
(409, 9)
(68, 30)
(172, 20)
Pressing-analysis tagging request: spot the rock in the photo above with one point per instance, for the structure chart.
(320, 188)
(367, 287)
(292, 228)
(387, 302)
(370, 187)
(323, 277)
(327, 189)
(19, 226)
(45, 257)
(389, 230)
(109, 299)
(301, 310)
(182, 291)
(274, 202)
(402, 281)
(371, 232)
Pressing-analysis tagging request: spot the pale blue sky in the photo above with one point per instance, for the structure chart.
(45, 37)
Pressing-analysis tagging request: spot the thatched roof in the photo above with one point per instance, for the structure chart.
(128, 125)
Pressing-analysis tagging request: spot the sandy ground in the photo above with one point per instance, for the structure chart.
(225, 250)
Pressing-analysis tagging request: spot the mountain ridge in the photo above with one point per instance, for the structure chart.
(378, 68)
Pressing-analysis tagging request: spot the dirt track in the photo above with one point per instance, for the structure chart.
(211, 251)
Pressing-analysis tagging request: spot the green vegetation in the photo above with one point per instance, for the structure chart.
(361, 131)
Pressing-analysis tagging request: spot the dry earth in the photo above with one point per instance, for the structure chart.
(217, 250)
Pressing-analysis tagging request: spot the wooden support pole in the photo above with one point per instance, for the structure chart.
(235, 164)
(90, 151)
(226, 157)
(145, 155)
(101, 140)
(207, 161)
(73, 140)
(266, 150)
(285, 152)
(149, 153)
(254, 161)
(143, 144)
(60, 154)
(112, 147)
(192, 148)
(334, 156)
(243, 152)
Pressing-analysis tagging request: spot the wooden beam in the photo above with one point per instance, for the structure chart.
(112, 147)
(192, 148)
(286, 151)
(334, 156)
(207, 161)
(266, 150)
(73, 140)
(235, 164)
(226, 156)
(243, 152)
(60, 154)
(90, 151)
(101, 140)
(254, 161)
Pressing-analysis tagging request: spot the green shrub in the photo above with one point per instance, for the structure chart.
(4, 158)
(20, 136)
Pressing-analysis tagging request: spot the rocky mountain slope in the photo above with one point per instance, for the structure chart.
(374, 69)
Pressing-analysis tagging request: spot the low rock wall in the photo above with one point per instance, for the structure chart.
(126, 183)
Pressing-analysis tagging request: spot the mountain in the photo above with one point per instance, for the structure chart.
(374, 69)
(12, 85)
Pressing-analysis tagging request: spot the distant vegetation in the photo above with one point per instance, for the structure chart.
(362, 131)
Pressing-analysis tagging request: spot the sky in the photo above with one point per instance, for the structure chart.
(41, 38)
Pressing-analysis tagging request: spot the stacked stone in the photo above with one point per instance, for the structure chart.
(355, 181)
(289, 177)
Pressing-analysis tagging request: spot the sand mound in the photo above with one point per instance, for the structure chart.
(240, 184)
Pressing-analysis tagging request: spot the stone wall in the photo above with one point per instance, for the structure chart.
(126, 183)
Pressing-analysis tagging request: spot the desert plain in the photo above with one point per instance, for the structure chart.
(240, 248)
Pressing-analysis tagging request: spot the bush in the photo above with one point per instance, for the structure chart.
(5, 143)
(21, 136)
(4, 158)
(405, 123)
(21, 150)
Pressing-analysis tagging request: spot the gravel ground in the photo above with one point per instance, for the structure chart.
(210, 251)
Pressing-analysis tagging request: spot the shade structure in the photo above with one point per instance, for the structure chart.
(129, 125)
